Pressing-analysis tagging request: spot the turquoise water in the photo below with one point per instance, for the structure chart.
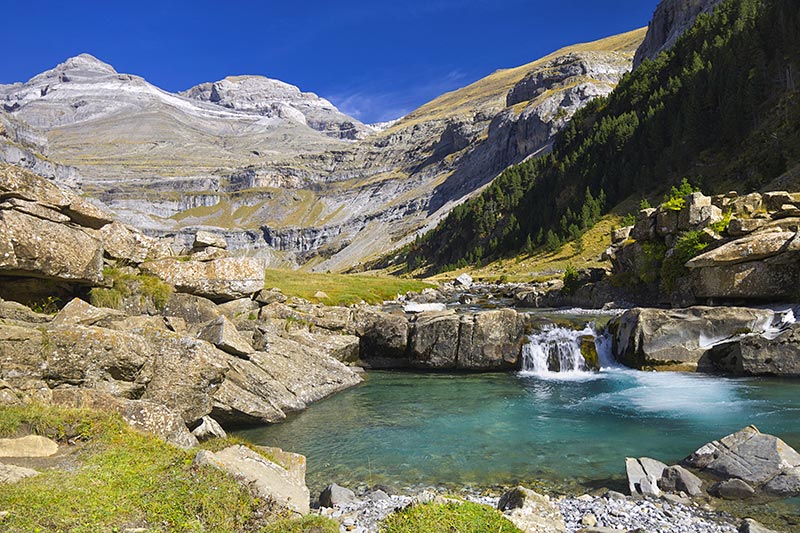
(408, 429)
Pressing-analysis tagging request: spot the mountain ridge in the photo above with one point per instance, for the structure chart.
(291, 193)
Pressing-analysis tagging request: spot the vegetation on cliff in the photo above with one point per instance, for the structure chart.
(720, 107)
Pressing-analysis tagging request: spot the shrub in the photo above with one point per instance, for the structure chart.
(722, 226)
(571, 279)
(687, 246)
(676, 199)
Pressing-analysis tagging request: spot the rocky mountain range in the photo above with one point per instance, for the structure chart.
(283, 173)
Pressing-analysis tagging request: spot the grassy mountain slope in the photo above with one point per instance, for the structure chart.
(721, 108)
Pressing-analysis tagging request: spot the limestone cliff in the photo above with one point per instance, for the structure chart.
(275, 169)
(670, 20)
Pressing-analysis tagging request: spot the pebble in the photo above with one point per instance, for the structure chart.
(592, 513)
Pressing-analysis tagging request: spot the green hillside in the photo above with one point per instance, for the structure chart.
(720, 108)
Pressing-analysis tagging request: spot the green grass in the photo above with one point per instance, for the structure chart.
(464, 517)
(126, 283)
(306, 524)
(122, 478)
(342, 289)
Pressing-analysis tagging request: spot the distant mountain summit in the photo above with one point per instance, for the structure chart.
(274, 98)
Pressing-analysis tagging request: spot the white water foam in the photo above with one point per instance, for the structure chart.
(555, 353)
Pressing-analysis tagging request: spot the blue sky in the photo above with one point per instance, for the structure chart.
(376, 60)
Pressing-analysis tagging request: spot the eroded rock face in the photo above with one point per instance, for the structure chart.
(35, 247)
(763, 462)
(142, 414)
(653, 337)
(221, 279)
(671, 19)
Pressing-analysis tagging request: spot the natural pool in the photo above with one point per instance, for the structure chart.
(409, 429)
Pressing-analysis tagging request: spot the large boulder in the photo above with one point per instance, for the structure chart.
(749, 248)
(125, 243)
(646, 337)
(757, 355)
(223, 334)
(221, 279)
(491, 340)
(764, 462)
(759, 266)
(144, 415)
(28, 446)
(34, 247)
(269, 480)
(384, 337)
(433, 342)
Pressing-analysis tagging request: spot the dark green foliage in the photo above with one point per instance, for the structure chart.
(688, 245)
(571, 280)
(724, 100)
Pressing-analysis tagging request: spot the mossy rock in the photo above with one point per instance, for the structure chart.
(589, 352)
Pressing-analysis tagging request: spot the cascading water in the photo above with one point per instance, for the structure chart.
(557, 350)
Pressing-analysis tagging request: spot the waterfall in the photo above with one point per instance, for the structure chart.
(557, 350)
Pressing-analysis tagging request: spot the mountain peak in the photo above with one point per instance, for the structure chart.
(81, 66)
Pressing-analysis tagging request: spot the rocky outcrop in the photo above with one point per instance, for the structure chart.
(285, 485)
(671, 19)
(762, 462)
(220, 279)
(756, 355)
(680, 337)
(275, 99)
(484, 341)
(161, 380)
(284, 151)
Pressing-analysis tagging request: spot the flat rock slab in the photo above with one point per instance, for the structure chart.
(29, 446)
(12, 473)
(270, 480)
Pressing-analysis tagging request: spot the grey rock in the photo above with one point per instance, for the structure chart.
(670, 20)
(757, 355)
(733, 489)
(12, 473)
(645, 337)
(208, 429)
(678, 479)
(753, 457)
(464, 280)
(268, 479)
(223, 334)
(749, 525)
(222, 279)
(423, 308)
(204, 239)
(645, 227)
(643, 475)
(335, 495)
(621, 234)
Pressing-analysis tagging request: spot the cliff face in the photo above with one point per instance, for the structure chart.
(670, 20)
(276, 170)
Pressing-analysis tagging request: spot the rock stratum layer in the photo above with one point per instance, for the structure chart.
(275, 170)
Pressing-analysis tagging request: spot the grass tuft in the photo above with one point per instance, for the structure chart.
(464, 517)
